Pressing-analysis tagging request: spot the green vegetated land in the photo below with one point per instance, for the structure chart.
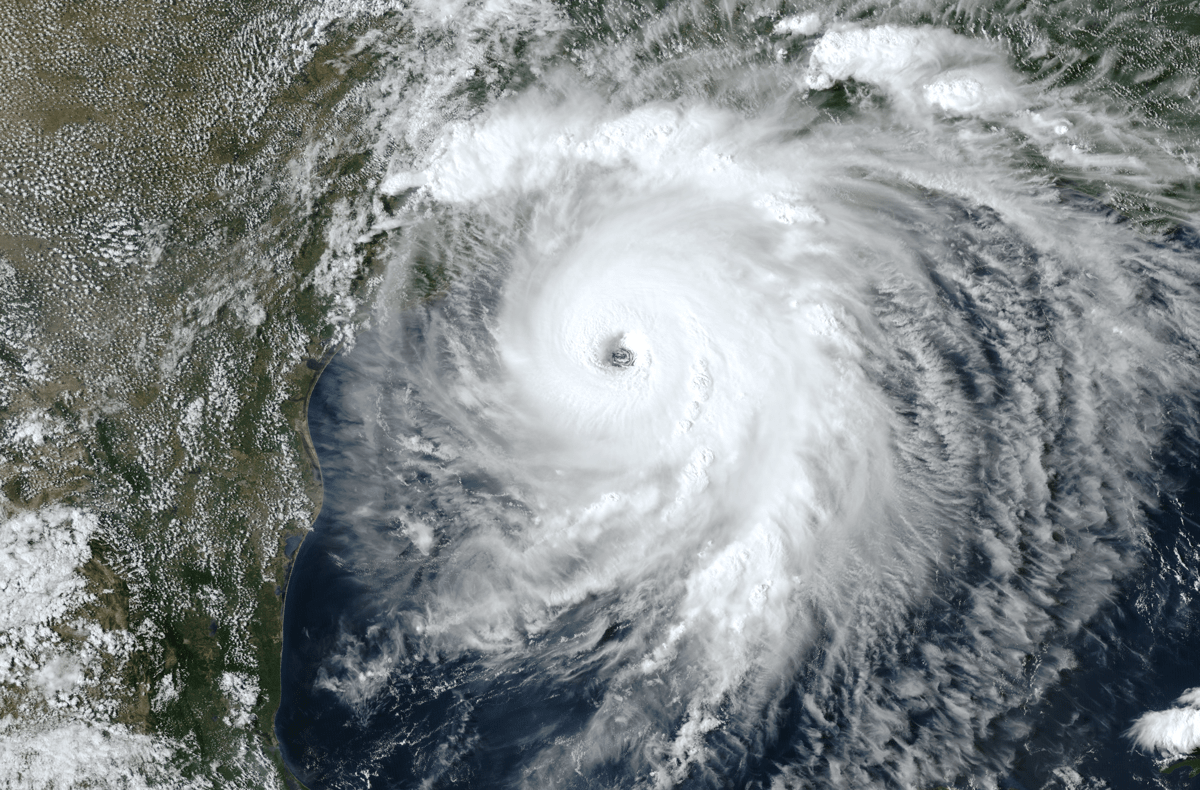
(170, 174)
(1191, 764)
(163, 318)
(188, 213)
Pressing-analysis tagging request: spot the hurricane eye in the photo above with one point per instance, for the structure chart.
(621, 357)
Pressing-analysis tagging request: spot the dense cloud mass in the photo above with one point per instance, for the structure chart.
(789, 421)
(731, 395)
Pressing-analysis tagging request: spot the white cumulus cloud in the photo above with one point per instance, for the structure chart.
(1175, 730)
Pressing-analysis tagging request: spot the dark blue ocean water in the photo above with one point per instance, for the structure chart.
(896, 484)
(451, 724)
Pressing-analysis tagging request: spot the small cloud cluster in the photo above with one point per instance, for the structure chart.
(1175, 730)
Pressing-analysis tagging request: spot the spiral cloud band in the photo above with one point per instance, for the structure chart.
(751, 446)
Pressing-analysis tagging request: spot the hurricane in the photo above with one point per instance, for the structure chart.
(753, 397)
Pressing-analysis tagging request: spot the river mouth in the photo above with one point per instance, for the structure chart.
(783, 443)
